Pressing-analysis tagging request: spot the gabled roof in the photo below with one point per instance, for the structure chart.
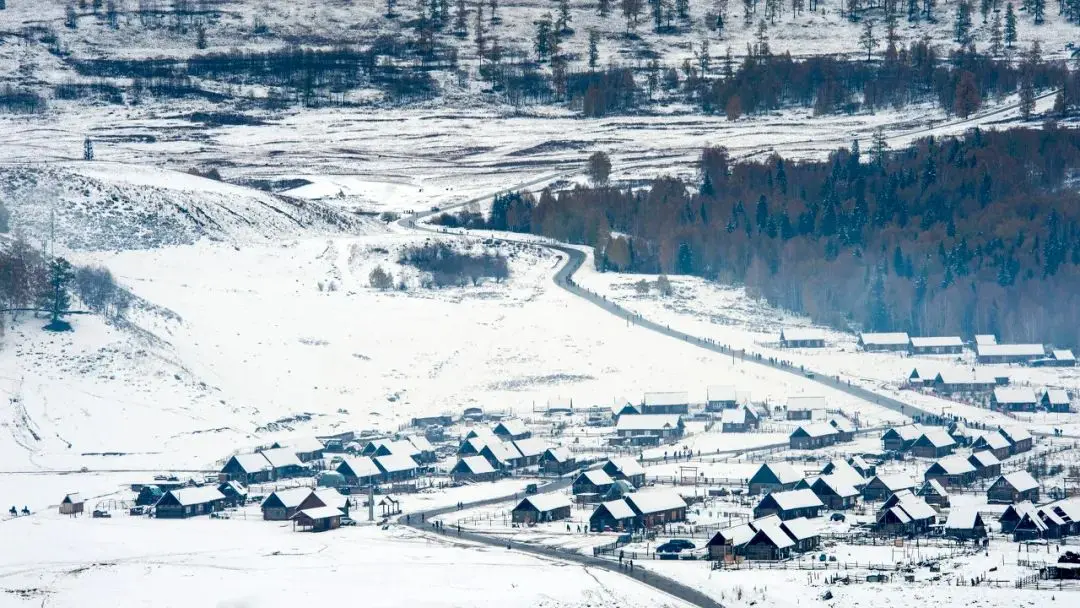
(647, 422)
(401, 447)
(513, 427)
(733, 416)
(306, 444)
(619, 509)
(395, 463)
(252, 463)
(782, 471)
(72, 498)
(421, 443)
(482, 432)
(289, 498)
(502, 451)
(842, 425)
(1021, 481)
(738, 535)
(806, 402)
(773, 535)
(908, 432)
(843, 472)
(898, 338)
(1014, 434)
(661, 398)
(794, 499)
(916, 508)
(1057, 396)
(817, 429)
(984, 339)
(984, 458)
(332, 498)
(932, 487)
(1010, 350)
(597, 477)
(319, 513)
(1019, 509)
(533, 446)
(936, 341)
(858, 461)
(1033, 518)
(627, 466)
(282, 457)
(835, 485)
(476, 465)
(951, 465)
(233, 486)
(656, 500)
(993, 440)
(800, 334)
(954, 376)
(362, 466)
(936, 436)
(720, 392)
(196, 496)
(1020, 395)
(895, 482)
(800, 528)
(559, 454)
(544, 502)
(1063, 355)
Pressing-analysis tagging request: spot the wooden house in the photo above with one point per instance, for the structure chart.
(960, 433)
(234, 492)
(359, 471)
(905, 514)
(540, 508)
(473, 468)
(189, 502)
(965, 381)
(666, 402)
(890, 341)
(739, 420)
(965, 523)
(845, 432)
(845, 472)
(283, 463)
(934, 442)
(281, 505)
(501, 454)
(790, 504)
(318, 519)
(1013, 487)
(656, 507)
(149, 495)
(953, 471)
(813, 436)
(803, 407)
(530, 451)
(986, 464)
(396, 467)
(1056, 400)
(511, 430)
(1013, 399)
(901, 438)
(247, 469)
(993, 442)
(774, 477)
(649, 429)
(934, 493)
(860, 465)
(720, 397)
(1057, 358)
(614, 516)
(424, 451)
(730, 542)
(72, 504)
(594, 481)
(557, 461)
(936, 345)
(625, 468)
(804, 532)
(799, 337)
(472, 446)
(1012, 515)
(881, 487)
(835, 493)
(305, 448)
(1008, 353)
(1020, 440)
(769, 543)
(1037, 523)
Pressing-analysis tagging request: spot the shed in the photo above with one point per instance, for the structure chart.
(149, 495)
(800, 337)
(541, 508)
(318, 519)
(72, 504)
(1056, 400)
(1013, 487)
(234, 492)
(803, 407)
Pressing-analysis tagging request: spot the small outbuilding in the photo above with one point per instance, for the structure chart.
(72, 504)
(318, 519)
(965, 523)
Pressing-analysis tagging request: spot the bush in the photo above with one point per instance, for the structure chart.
(389, 216)
(448, 266)
(380, 279)
(663, 285)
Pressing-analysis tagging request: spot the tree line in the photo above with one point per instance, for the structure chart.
(971, 234)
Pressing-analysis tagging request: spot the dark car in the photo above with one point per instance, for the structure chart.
(531, 489)
(675, 545)
(837, 517)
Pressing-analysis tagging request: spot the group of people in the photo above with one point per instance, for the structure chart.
(15, 512)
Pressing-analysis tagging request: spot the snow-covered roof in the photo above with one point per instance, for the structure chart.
(801, 334)
(533, 446)
(962, 518)
(801, 528)
(739, 535)
(559, 454)
(993, 440)
(401, 447)
(842, 472)
(783, 472)
(282, 457)
(776, 536)
(395, 463)
(895, 482)
(306, 444)
(933, 486)
(809, 402)
(1057, 396)
(978, 375)
(1063, 355)
(936, 341)
(332, 498)
(545, 502)
(858, 461)
(319, 513)
(1010, 350)
(953, 465)
(916, 507)
(477, 465)
(627, 466)
(984, 339)
(1023, 395)
(908, 432)
(841, 424)
(662, 398)
(653, 501)
(838, 485)
(937, 436)
(817, 429)
(196, 496)
(1021, 481)
(72, 498)
(503, 451)
(421, 443)
(733, 416)
(721, 392)
(897, 338)
(796, 499)
(362, 466)
(597, 477)
(253, 463)
(291, 497)
(985, 458)
(647, 422)
(1033, 517)
(482, 432)
(513, 427)
(1015, 433)
(619, 509)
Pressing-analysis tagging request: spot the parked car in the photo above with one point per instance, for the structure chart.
(531, 489)
(140, 510)
(98, 514)
(676, 545)
(348, 521)
(837, 517)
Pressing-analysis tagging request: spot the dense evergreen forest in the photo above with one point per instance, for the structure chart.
(979, 233)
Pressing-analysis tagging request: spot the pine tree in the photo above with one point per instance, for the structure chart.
(761, 46)
(631, 9)
(867, 40)
(962, 25)
(478, 38)
(1010, 26)
(682, 9)
(543, 37)
(88, 149)
(3, 4)
(200, 37)
(984, 9)
(563, 23)
(1027, 98)
(704, 58)
(912, 10)
(928, 9)
(995, 35)
(461, 24)
(55, 296)
(879, 147)
(1059, 104)
(594, 50)
(71, 20)
(493, 5)
(748, 12)
(1038, 11)
(603, 7)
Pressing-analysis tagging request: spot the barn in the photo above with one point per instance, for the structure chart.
(540, 508)
(189, 502)
(800, 337)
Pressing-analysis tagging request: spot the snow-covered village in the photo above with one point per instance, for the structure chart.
(539, 303)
